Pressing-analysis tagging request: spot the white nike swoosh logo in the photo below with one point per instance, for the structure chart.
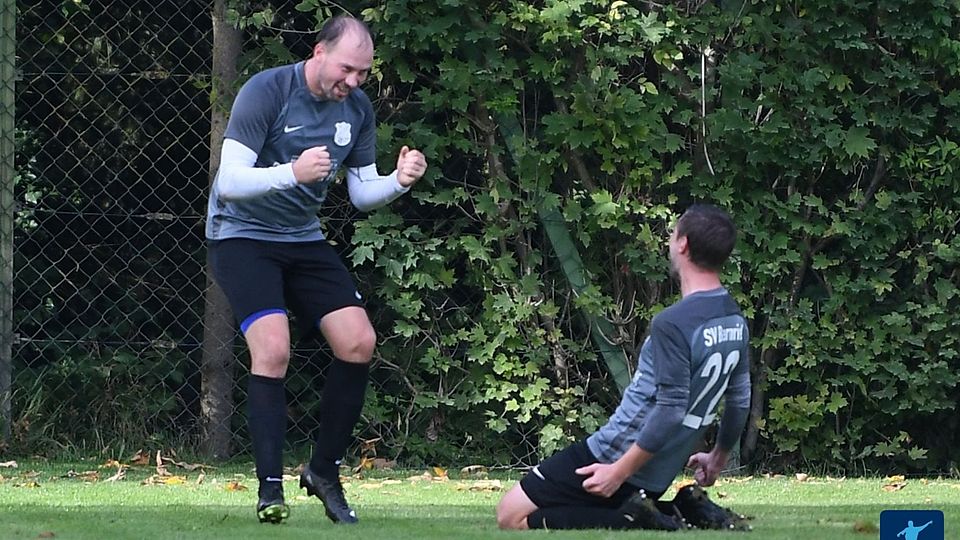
(291, 129)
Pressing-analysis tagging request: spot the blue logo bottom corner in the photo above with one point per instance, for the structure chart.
(911, 525)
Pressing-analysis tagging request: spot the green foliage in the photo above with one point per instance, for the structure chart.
(83, 406)
(826, 136)
(829, 130)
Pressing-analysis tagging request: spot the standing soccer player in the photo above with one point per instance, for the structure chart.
(695, 355)
(290, 130)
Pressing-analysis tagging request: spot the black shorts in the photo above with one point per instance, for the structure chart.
(260, 277)
(554, 483)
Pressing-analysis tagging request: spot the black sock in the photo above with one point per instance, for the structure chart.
(578, 517)
(340, 408)
(267, 422)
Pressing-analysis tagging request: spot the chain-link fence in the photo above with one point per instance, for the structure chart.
(112, 158)
(113, 138)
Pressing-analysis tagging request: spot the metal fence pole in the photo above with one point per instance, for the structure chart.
(7, 78)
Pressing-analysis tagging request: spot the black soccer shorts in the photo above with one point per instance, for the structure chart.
(260, 277)
(554, 483)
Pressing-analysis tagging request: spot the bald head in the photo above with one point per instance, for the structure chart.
(336, 27)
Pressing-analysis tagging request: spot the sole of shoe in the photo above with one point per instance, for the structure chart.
(274, 513)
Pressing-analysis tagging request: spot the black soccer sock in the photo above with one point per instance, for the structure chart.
(340, 408)
(267, 422)
(578, 517)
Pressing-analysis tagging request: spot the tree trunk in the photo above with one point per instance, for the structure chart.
(217, 367)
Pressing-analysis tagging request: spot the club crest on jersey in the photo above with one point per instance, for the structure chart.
(342, 136)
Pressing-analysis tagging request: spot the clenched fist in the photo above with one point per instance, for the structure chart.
(313, 165)
(411, 164)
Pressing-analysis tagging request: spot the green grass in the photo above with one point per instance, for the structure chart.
(37, 499)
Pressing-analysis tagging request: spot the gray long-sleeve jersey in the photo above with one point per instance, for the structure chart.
(276, 116)
(696, 355)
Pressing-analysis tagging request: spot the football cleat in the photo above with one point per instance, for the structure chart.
(271, 507)
(642, 513)
(330, 493)
(698, 510)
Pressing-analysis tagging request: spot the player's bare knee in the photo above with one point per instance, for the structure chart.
(271, 357)
(357, 348)
(507, 519)
(511, 522)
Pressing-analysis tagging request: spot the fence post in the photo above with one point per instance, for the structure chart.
(7, 80)
(218, 364)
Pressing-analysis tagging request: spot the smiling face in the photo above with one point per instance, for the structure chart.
(338, 67)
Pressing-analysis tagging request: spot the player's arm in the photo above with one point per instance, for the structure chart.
(671, 374)
(239, 178)
(255, 108)
(370, 190)
(736, 408)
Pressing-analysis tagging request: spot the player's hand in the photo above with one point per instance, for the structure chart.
(313, 165)
(706, 466)
(411, 164)
(602, 479)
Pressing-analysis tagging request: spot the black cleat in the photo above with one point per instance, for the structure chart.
(701, 512)
(330, 493)
(270, 507)
(643, 513)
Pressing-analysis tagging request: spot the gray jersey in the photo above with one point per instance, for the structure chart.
(699, 343)
(276, 116)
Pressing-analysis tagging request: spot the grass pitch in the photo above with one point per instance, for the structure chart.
(84, 500)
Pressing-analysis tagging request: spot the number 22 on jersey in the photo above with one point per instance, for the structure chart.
(702, 411)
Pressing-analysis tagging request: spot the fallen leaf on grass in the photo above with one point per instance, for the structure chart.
(161, 470)
(119, 475)
(895, 483)
(365, 463)
(46, 534)
(235, 486)
(140, 458)
(158, 480)
(802, 477)
(440, 472)
(420, 477)
(474, 469)
(86, 476)
(481, 485)
(738, 479)
(8, 464)
(371, 486)
(110, 464)
(200, 478)
(30, 484)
